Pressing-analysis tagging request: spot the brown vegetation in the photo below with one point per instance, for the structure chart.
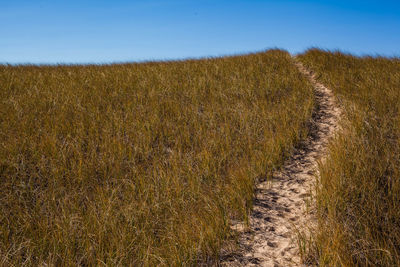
(140, 164)
(359, 193)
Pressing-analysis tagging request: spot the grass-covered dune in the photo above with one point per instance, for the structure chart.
(140, 164)
(359, 193)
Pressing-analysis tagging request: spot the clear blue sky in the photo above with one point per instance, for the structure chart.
(51, 31)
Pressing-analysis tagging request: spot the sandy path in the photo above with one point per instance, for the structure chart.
(280, 207)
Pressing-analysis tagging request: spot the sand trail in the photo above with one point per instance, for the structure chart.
(283, 207)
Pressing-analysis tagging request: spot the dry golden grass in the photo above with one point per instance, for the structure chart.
(359, 194)
(140, 164)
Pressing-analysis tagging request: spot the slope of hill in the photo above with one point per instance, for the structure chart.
(141, 164)
(359, 193)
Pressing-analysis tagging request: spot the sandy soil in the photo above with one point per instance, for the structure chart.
(283, 207)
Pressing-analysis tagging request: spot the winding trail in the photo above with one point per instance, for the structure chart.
(283, 207)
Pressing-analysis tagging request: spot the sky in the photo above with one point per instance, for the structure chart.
(53, 32)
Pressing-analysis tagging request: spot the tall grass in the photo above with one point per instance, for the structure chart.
(140, 164)
(359, 194)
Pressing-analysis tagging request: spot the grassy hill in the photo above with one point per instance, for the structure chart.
(140, 164)
(359, 193)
